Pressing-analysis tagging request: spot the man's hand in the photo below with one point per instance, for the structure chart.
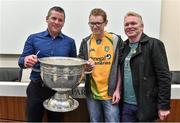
(163, 114)
(116, 97)
(89, 66)
(30, 61)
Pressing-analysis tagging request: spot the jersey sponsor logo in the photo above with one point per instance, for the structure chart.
(102, 60)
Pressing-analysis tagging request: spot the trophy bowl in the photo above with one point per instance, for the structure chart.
(61, 74)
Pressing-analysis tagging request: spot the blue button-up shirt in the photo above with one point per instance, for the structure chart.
(62, 45)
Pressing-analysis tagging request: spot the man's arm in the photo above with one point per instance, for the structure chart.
(163, 77)
(73, 50)
(117, 93)
(28, 50)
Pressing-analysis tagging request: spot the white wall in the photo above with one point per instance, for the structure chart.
(170, 31)
(20, 18)
(169, 34)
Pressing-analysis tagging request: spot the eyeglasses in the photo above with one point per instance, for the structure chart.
(92, 24)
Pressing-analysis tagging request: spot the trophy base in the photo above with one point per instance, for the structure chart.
(61, 105)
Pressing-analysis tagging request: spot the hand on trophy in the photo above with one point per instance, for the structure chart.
(89, 66)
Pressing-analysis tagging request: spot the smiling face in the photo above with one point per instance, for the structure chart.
(55, 22)
(97, 24)
(133, 27)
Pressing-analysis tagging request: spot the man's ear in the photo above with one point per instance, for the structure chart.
(142, 25)
(47, 17)
(106, 22)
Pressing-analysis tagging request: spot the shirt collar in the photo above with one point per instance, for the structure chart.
(104, 34)
(46, 33)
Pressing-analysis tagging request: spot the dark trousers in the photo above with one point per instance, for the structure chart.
(129, 113)
(36, 94)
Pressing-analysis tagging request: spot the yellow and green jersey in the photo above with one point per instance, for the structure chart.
(102, 52)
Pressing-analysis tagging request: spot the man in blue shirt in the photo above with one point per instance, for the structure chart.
(51, 42)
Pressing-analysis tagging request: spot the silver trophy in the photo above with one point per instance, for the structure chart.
(61, 74)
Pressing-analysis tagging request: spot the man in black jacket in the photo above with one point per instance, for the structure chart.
(145, 74)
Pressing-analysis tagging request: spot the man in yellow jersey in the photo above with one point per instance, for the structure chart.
(102, 86)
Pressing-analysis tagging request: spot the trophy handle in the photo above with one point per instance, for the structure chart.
(82, 78)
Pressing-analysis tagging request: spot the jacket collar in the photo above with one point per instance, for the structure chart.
(144, 38)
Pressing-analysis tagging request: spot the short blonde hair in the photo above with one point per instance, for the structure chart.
(131, 13)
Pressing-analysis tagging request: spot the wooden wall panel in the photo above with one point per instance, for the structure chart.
(78, 115)
(175, 112)
(14, 109)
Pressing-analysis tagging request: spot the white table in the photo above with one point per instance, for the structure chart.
(18, 89)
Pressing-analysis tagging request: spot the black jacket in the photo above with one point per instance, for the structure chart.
(150, 75)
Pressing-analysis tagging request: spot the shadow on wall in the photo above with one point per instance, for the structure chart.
(17, 74)
(175, 77)
(10, 74)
